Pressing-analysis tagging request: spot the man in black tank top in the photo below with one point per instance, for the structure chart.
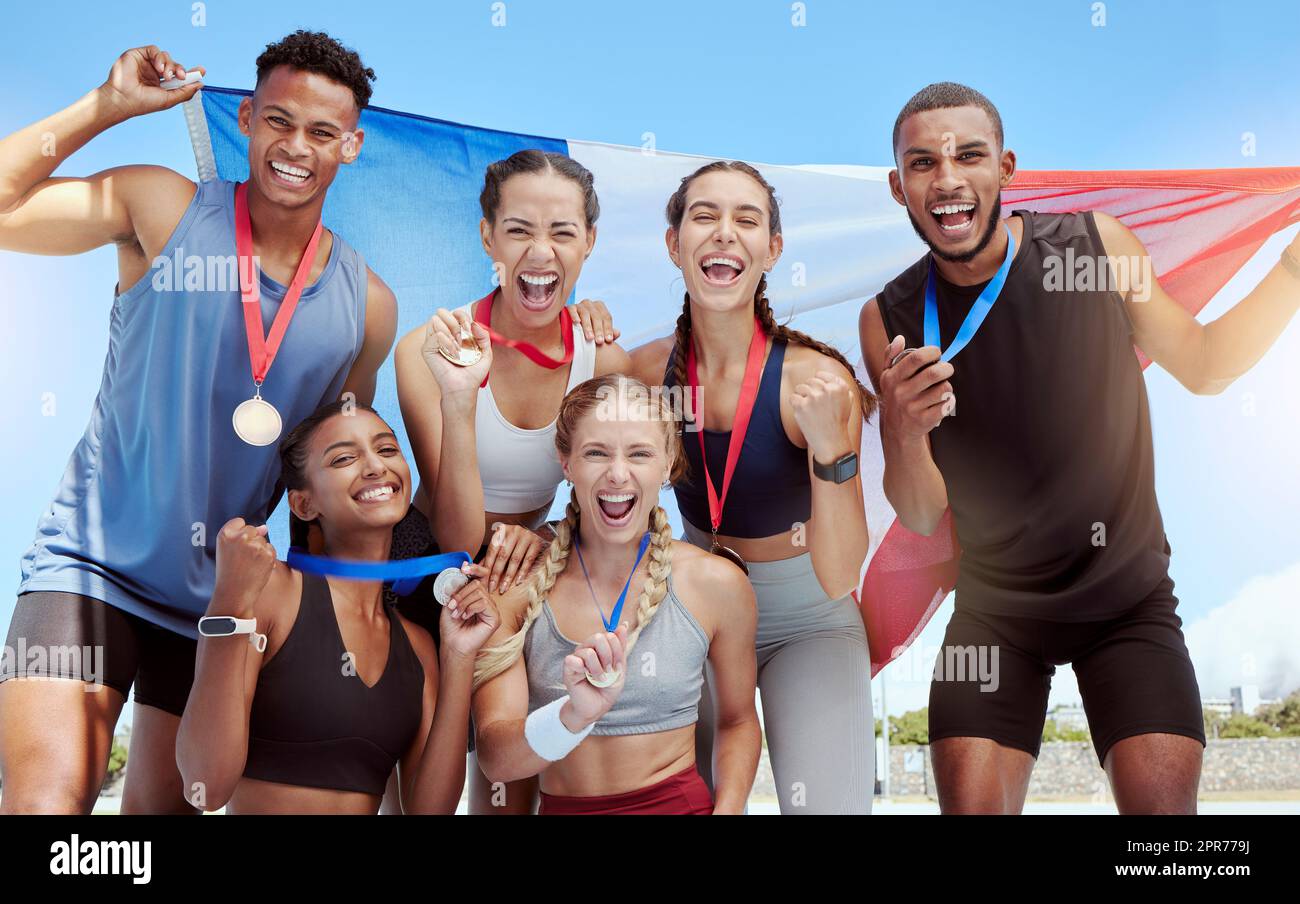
(1049, 469)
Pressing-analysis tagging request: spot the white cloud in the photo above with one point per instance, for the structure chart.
(1254, 638)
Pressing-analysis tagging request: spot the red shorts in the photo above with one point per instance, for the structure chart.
(683, 794)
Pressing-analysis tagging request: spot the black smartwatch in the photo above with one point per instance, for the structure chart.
(841, 469)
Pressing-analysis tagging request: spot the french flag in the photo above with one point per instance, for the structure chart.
(410, 205)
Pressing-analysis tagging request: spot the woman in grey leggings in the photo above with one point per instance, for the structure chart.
(778, 417)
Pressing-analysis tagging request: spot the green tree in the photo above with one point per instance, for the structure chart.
(1284, 715)
(911, 727)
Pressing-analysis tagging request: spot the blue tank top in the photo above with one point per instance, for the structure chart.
(770, 490)
(159, 469)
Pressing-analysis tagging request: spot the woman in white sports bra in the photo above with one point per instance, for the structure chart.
(496, 472)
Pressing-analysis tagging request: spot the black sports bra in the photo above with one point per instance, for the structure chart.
(314, 722)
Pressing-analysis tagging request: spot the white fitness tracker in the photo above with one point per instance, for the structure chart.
(228, 625)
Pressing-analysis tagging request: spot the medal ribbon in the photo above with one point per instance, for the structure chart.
(404, 574)
(978, 311)
(483, 315)
(262, 351)
(611, 623)
(739, 426)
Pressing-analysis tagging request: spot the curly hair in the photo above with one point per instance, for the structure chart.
(315, 51)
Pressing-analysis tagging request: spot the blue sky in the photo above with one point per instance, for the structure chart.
(1160, 85)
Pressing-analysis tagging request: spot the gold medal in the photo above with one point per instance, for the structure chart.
(257, 422)
(605, 680)
(468, 354)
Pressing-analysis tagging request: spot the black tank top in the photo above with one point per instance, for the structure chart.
(315, 723)
(1049, 454)
(770, 491)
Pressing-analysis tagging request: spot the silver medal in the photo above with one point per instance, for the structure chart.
(257, 422)
(448, 581)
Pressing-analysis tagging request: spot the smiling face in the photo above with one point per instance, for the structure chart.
(538, 243)
(356, 476)
(951, 172)
(618, 462)
(725, 242)
(301, 127)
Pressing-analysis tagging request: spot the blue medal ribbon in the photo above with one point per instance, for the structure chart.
(978, 311)
(611, 623)
(404, 574)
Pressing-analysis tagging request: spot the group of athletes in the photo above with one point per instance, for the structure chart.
(595, 664)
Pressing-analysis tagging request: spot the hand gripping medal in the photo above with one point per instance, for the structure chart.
(610, 678)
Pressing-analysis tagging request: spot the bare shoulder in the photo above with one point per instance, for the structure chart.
(157, 198)
(277, 607)
(803, 363)
(709, 584)
(649, 361)
(381, 302)
(1115, 236)
(611, 358)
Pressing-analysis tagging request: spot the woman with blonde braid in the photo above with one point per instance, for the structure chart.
(634, 683)
(778, 419)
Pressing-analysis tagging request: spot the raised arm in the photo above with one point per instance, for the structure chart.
(825, 406)
(127, 205)
(212, 742)
(913, 397)
(440, 423)
(1205, 358)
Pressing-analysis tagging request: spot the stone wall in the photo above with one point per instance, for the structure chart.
(1070, 769)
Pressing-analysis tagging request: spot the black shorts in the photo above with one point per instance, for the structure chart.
(66, 635)
(1134, 672)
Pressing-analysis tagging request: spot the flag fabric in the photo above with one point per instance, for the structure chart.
(410, 206)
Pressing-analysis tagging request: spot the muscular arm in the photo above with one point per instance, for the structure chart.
(912, 482)
(133, 205)
(381, 328)
(1205, 358)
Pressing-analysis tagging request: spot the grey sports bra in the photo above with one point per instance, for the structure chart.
(665, 673)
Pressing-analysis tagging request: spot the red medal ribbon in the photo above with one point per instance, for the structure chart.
(483, 315)
(261, 351)
(739, 426)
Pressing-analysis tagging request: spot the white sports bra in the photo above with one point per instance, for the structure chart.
(519, 468)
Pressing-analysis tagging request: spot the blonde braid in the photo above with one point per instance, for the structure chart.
(655, 587)
(495, 660)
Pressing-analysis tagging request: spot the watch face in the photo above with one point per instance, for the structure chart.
(216, 626)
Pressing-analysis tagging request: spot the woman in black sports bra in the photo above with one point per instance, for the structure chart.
(345, 687)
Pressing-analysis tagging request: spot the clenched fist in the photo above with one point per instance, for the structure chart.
(245, 560)
(821, 408)
(915, 393)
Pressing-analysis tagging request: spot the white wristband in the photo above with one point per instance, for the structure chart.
(548, 736)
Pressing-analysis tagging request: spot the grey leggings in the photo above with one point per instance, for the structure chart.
(814, 682)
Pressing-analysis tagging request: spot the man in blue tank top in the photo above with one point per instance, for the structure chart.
(1047, 466)
(123, 562)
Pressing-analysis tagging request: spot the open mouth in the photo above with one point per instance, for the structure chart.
(722, 269)
(377, 494)
(616, 508)
(288, 174)
(537, 290)
(955, 219)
